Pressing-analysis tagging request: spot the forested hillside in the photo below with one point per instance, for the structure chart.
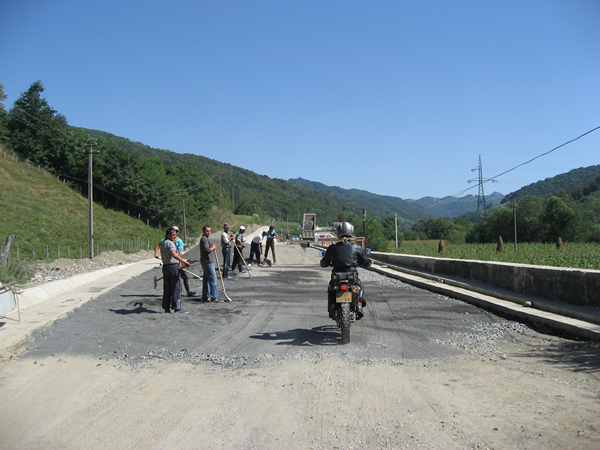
(549, 186)
(153, 185)
(244, 191)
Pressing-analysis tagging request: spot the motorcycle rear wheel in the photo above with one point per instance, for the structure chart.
(344, 322)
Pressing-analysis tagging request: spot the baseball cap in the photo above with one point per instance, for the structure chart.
(175, 227)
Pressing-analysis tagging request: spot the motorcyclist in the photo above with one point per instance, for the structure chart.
(344, 256)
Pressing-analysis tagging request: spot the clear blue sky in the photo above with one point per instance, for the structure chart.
(395, 97)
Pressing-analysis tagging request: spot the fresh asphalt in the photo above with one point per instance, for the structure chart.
(276, 311)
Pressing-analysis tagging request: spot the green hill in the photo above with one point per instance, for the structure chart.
(43, 211)
(550, 186)
(248, 193)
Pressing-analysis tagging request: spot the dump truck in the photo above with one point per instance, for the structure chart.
(309, 224)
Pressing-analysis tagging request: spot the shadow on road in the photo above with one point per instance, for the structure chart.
(577, 356)
(145, 295)
(326, 335)
(138, 310)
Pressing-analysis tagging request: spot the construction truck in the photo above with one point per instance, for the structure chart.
(309, 224)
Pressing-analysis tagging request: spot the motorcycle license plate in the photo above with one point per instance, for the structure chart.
(345, 297)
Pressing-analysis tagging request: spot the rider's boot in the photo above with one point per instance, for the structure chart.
(359, 312)
(331, 308)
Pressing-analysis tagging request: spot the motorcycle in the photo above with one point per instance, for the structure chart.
(347, 307)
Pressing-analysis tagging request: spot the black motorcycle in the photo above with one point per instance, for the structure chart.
(347, 307)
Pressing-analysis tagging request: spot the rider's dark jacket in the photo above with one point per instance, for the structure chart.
(345, 256)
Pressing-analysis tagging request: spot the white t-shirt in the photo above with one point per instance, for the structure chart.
(257, 239)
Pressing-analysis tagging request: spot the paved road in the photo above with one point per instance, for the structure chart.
(267, 371)
(276, 311)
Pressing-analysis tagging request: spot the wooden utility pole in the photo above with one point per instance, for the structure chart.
(396, 226)
(183, 212)
(515, 220)
(232, 198)
(365, 225)
(90, 205)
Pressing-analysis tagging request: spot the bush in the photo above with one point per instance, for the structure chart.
(19, 271)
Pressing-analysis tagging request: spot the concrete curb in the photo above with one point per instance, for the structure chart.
(489, 301)
(35, 295)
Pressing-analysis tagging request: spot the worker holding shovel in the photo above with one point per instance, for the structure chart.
(207, 259)
(182, 273)
(171, 282)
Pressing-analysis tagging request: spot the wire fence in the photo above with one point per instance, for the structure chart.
(53, 252)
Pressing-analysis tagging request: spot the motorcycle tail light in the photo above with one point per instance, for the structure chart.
(343, 288)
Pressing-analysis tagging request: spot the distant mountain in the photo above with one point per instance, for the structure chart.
(281, 198)
(549, 186)
(378, 205)
(456, 206)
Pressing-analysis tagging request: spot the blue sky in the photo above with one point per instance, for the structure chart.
(394, 97)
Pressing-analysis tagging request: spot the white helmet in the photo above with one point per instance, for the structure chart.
(345, 229)
(242, 228)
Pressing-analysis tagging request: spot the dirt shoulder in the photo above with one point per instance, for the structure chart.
(297, 402)
(518, 388)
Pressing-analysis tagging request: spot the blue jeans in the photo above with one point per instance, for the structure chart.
(209, 281)
(226, 260)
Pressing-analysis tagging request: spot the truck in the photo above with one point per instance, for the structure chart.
(309, 224)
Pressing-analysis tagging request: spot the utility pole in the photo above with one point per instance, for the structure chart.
(232, 198)
(515, 219)
(90, 205)
(219, 190)
(183, 212)
(396, 226)
(365, 225)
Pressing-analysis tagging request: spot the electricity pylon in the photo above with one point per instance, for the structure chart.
(480, 193)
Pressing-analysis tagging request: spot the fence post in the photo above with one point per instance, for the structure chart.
(58, 251)
(68, 252)
(47, 253)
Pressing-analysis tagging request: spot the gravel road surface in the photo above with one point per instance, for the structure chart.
(267, 371)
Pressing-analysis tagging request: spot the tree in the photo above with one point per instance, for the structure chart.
(560, 218)
(529, 219)
(433, 228)
(500, 223)
(3, 118)
(37, 132)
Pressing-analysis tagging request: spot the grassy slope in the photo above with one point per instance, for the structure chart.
(42, 211)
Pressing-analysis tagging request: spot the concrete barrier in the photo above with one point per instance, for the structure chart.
(573, 286)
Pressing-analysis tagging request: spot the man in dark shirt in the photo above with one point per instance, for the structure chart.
(207, 259)
(344, 256)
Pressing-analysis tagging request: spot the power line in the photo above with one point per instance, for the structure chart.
(544, 154)
(519, 165)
